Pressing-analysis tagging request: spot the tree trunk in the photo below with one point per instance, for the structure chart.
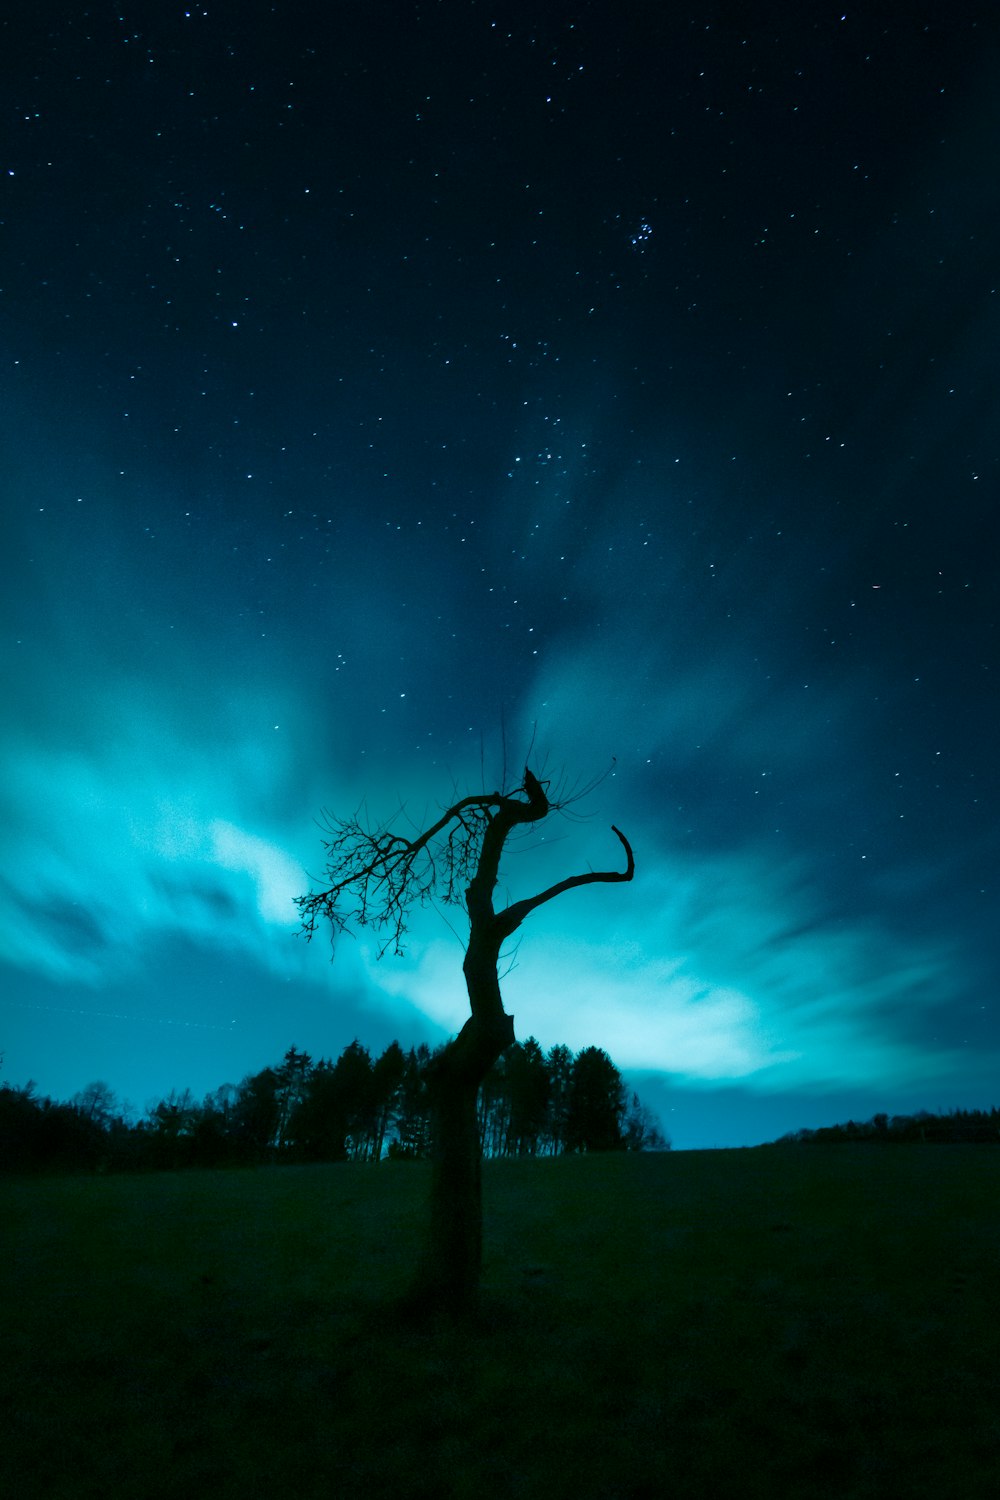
(448, 1278)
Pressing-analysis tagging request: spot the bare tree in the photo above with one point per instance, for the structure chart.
(375, 876)
(96, 1103)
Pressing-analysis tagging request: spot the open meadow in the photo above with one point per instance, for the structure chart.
(780, 1322)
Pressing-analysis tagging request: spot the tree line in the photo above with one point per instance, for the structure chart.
(357, 1108)
(957, 1126)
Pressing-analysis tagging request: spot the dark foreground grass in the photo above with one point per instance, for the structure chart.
(780, 1323)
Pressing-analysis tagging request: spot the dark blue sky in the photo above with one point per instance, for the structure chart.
(377, 377)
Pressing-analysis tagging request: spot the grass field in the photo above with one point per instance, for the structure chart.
(812, 1321)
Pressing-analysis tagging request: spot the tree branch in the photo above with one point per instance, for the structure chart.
(510, 811)
(512, 916)
(375, 876)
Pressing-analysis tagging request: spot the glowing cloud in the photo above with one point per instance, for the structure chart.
(278, 878)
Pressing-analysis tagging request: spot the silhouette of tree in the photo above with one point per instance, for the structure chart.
(318, 1127)
(375, 877)
(958, 1126)
(412, 1114)
(22, 1145)
(96, 1103)
(354, 1079)
(171, 1124)
(528, 1086)
(210, 1143)
(387, 1079)
(642, 1129)
(347, 1109)
(596, 1104)
(291, 1085)
(559, 1068)
(493, 1109)
(256, 1114)
(217, 1124)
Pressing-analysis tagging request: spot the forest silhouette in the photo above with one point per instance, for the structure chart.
(357, 1108)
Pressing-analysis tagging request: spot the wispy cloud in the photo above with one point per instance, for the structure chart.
(730, 959)
(719, 970)
(109, 845)
(277, 878)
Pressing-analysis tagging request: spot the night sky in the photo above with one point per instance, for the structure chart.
(386, 381)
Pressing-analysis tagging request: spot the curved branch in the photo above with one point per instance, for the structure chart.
(512, 916)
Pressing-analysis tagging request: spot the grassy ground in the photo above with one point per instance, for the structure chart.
(780, 1323)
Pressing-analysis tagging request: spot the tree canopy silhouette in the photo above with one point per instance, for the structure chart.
(375, 876)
